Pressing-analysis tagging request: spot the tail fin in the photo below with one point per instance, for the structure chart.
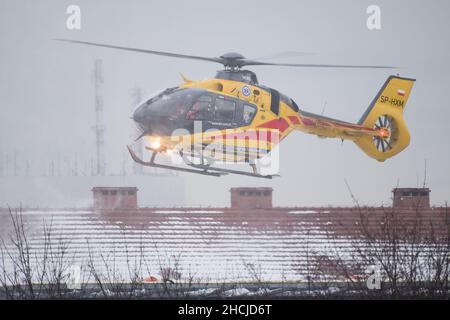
(385, 114)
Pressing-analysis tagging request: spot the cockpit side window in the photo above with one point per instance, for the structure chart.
(224, 110)
(201, 108)
(248, 113)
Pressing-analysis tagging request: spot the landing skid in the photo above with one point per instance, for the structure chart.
(152, 164)
(199, 168)
(226, 171)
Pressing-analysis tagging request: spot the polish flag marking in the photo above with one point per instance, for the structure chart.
(401, 92)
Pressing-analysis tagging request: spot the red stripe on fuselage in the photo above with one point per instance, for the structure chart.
(294, 119)
(257, 135)
(280, 124)
(310, 122)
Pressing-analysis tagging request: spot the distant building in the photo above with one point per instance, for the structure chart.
(251, 198)
(115, 198)
(411, 198)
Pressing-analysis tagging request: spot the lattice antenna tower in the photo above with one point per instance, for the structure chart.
(99, 129)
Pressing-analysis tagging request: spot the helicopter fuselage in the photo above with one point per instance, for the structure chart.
(230, 115)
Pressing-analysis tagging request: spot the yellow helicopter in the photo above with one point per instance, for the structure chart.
(234, 119)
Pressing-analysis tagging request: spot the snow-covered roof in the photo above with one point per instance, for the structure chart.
(212, 245)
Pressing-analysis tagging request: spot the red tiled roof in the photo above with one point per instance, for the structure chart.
(214, 244)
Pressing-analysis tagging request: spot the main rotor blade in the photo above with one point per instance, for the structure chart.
(226, 61)
(309, 65)
(285, 54)
(160, 53)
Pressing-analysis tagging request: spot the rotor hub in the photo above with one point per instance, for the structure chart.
(384, 133)
(232, 60)
(232, 56)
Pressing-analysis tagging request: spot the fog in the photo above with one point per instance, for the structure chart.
(47, 92)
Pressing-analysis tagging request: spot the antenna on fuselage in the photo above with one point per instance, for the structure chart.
(323, 109)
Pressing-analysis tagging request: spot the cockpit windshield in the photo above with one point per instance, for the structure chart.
(172, 103)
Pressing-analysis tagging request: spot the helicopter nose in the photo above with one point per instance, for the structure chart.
(140, 118)
(139, 115)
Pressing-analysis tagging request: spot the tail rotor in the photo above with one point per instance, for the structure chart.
(387, 133)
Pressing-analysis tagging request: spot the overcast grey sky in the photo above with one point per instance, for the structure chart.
(46, 91)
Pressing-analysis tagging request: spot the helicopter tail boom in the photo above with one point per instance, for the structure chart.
(381, 132)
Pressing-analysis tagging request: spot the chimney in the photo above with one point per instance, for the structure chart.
(251, 198)
(115, 198)
(411, 198)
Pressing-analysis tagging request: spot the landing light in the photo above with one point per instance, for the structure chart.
(155, 143)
